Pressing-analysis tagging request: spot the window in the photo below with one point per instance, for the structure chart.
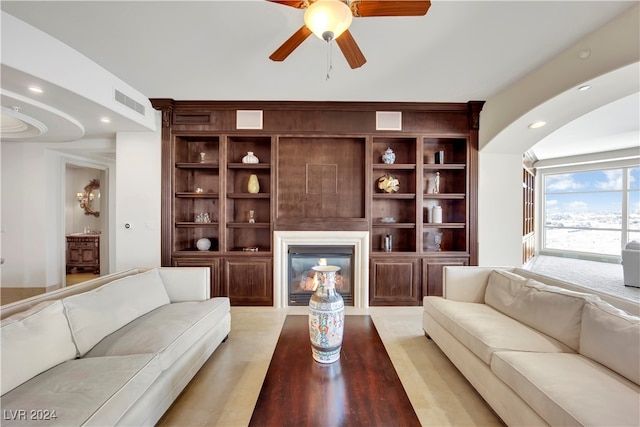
(595, 211)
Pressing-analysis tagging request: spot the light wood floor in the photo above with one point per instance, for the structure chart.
(226, 389)
(75, 278)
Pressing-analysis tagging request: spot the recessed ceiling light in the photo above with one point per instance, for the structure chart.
(584, 88)
(35, 89)
(536, 125)
(105, 120)
(584, 53)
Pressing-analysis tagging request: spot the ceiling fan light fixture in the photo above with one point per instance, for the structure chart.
(328, 19)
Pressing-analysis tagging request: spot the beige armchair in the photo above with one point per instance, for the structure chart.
(631, 264)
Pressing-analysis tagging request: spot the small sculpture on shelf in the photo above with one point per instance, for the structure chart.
(250, 158)
(433, 241)
(252, 217)
(202, 217)
(389, 157)
(202, 156)
(436, 185)
(388, 183)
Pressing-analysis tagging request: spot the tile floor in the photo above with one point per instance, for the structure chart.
(226, 389)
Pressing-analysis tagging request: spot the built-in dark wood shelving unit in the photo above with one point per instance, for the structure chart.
(319, 164)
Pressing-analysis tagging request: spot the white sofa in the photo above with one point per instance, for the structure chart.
(538, 352)
(114, 351)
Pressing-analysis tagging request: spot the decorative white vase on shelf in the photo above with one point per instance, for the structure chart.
(326, 317)
(250, 158)
(253, 186)
(389, 157)
(203, 244)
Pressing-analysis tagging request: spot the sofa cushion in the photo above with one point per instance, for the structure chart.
(484, 330)
(186, 283)
(612, 337)
(95, 314)
(91, 392)
(552, 310)
(569, 389)
(502, 289)
(34, 341)
(168, 330)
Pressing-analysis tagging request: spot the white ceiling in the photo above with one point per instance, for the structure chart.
(218, 50)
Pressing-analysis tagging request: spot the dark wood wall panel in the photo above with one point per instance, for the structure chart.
(320, 178)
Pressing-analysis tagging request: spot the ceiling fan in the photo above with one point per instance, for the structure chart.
(330, 20)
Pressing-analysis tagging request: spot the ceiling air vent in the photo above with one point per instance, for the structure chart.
(129, 102)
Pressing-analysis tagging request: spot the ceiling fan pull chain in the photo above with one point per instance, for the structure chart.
(329, 59)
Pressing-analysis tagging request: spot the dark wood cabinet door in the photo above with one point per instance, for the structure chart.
(432, 273)
(214, 271)
(83, 252)
(394, 281)
(249, 281)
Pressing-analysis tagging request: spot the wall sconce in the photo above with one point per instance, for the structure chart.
(83, 199)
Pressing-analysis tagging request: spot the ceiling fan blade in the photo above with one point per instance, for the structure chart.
(367, 8)
(350, 50)
(291, 44)
(299, 4)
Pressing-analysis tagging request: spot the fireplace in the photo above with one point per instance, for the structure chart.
(358, 240)
(303, 280)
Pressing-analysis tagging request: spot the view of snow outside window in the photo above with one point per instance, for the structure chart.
(586, 211)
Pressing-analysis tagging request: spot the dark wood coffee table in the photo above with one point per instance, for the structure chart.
(362, 388)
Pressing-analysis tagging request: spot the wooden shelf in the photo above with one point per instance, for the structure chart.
(394, 224)
(248, 165)
(184, 165)
(397, 196)
(445, 196)
(248, 225)
(195, 252)
(444, 225)
(194, 195)
(443, 166)
(248, 195)
(186, 224)
(394, 166)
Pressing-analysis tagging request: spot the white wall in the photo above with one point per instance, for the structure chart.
(33, 214)
(138, 201)
(27, 214)
(499, 209)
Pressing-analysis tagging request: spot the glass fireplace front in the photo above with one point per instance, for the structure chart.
(302, 278)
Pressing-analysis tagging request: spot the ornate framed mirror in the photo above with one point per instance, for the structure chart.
(90, 198)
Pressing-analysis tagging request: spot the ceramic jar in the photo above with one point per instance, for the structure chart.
(203, 244)
(253, 186)
(436, 216)
(326, 317)
(389, 157)
(250, 158)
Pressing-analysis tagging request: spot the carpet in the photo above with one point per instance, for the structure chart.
(601, 276)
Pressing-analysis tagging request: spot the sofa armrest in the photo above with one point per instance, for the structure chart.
(186, 283)
(467, 283)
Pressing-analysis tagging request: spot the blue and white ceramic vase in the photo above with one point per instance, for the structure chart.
(389, 157)
(326, 317)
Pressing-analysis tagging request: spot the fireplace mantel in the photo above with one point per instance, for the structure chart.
(358, 239)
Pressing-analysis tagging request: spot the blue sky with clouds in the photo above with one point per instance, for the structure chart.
(593, 191)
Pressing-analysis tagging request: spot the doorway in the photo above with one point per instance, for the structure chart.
(86, 223)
